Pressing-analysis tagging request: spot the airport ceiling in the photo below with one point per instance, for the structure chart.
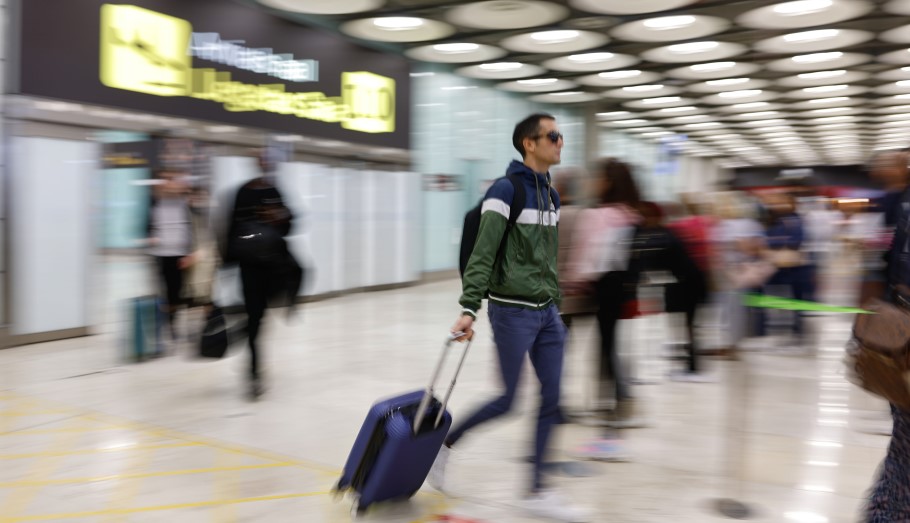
(753, 82)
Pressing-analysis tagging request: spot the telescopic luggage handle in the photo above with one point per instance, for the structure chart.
(428, 395)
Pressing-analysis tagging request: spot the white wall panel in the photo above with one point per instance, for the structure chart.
(309, 192)
(353, 216)
(51, 239)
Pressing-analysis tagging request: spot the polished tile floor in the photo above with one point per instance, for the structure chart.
(87, 437)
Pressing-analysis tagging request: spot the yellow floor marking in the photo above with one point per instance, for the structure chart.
(137, 475)
(126, 491)
(95, 451)
(199, 440)
(36, 432)
(15, 413)
(22, 497)
(225, 487)
(116, 423)
(175, 506)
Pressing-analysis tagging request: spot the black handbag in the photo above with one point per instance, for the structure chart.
(215, 336)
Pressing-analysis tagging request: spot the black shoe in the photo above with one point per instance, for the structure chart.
(257, 389)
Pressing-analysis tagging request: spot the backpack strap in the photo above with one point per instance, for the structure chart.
(519, 200)
(519, 196)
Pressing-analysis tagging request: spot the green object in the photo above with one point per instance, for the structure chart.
(774, 302)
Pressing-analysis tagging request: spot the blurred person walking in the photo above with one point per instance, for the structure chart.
(605, 234)
(739, 241)
(171, 238)
(785, 237)
(259, 222)
(889, 499)
(890, 169)
(662, 250)
(523, 290)
(575, 302)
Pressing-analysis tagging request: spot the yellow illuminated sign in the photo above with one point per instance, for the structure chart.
(147, 52)
(144, 51)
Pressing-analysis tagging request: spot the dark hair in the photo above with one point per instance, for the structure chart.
(622, 188)
(528, 128)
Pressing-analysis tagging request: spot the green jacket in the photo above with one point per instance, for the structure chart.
(526, 275)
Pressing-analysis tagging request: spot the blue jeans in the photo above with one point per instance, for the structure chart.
(516, 332)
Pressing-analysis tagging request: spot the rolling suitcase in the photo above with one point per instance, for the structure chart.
(398, 442)
(146, 321)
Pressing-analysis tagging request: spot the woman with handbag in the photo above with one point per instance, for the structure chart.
(879, 360)
(259, 222)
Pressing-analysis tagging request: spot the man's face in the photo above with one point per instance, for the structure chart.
(543, 148)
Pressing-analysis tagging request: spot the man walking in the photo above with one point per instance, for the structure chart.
(521, 281)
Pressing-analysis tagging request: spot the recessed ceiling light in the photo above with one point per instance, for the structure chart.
(692, 47)
(811, 36)
(587, 58)
(634, 121)
(661, 100)
(817, 57)
(825, 88)
(678, 109)
(643, 88)
(538, 81)
(703, 124)
(614, 113)
(802, 7)
(829, 100)
(903, 83)
(829, 110)
(456, 48)
(832, 119)
(398, 23)
(766, 122)
(669, 22)
(822, 74)
(657, 133)
(501, 66)
(619, 74)
(713, 66)
(555, 37)
(728, 81)
(750, 105)
(740, 94)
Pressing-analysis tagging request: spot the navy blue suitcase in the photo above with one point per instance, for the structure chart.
(397, 444)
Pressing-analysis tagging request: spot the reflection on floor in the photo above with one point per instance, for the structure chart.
(87, 437)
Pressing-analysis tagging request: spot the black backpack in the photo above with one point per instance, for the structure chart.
(472, 223)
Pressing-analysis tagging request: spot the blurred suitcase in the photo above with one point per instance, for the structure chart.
(398, 443)
(146, 321)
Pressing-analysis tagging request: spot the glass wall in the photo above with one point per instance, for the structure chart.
(661, 172)
(462, 137)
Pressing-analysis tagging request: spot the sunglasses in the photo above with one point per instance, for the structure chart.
(554, 136)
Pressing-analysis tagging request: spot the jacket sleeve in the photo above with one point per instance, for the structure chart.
(493, 221)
